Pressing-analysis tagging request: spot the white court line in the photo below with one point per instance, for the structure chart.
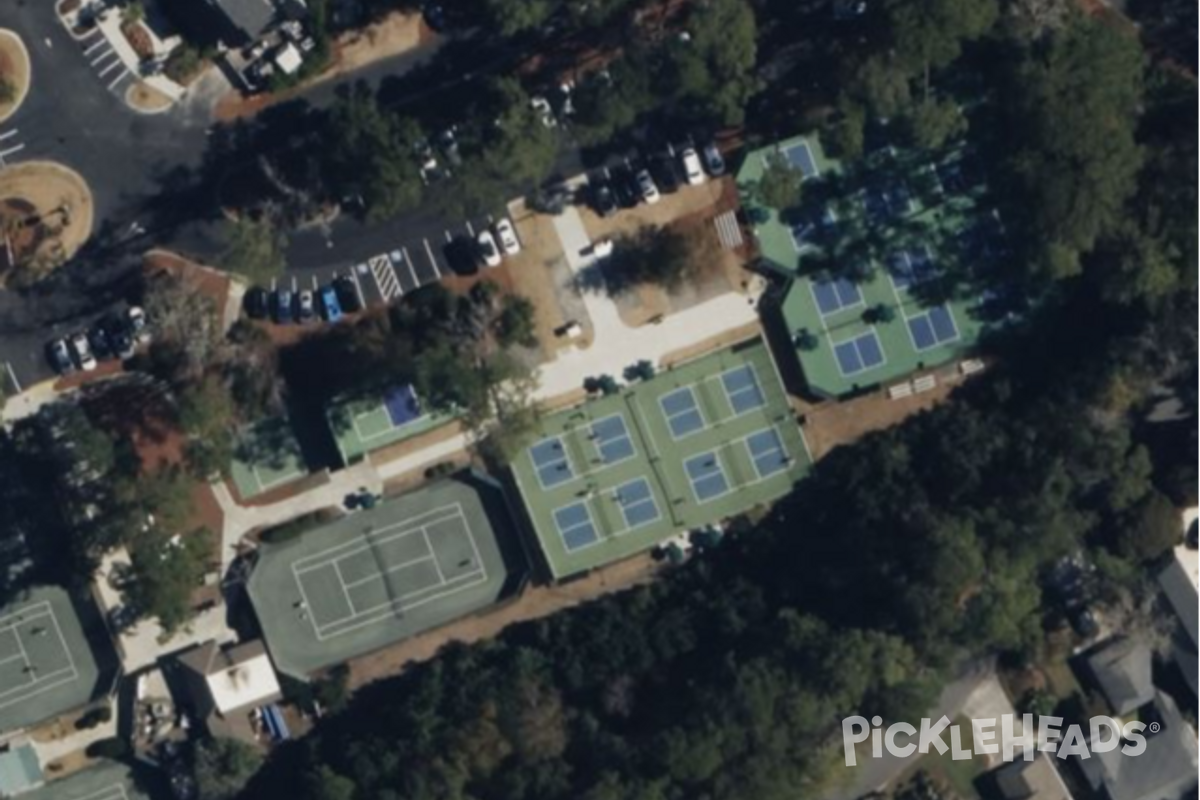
(373, 616)
(456, 508)
(337, 568)
(17, 657)
(433, 556)
(44, 684)
(378, 576)
(432, 260)
(114, 792)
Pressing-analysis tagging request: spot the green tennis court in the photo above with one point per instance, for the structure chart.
(267, 457)
(362, 424)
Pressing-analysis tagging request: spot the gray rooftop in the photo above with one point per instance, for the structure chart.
(1122, 668)
(1165, 771)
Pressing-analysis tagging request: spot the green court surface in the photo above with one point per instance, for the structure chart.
(707, 440)
(106, 780)
(376, 577)
(900, 230)
(267, 456)
(47, 667)
(361, 425)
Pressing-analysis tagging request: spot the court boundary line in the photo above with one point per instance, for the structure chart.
(780, 447)
(924, 312)
(625, 435)
(41, 683)
(566, 458)
(695, 407)
(882, 351)
(716, 455)
(812, 288)
(651, 499)
(585, 502)
(757, 385)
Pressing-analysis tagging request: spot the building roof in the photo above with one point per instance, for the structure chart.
(700, 442)
(1122, 668)
(20, 770)
(1180, 581)
(236, 677)
(897, 235)
(1031, 780)
(47, 665)
(251, 17)
(1165, 771)
(382, 575)
(289, 58)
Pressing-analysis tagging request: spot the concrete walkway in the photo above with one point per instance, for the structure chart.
(617, 345)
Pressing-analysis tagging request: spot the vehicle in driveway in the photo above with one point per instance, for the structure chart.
(714, 162)
(647, 188)
(331, 309)
(257, 302)
(306, 306)
(283, 306)
(347, 295)
(139, 328)
(625, 187)
(691, 167)
(485, 244)
(122, 343)
(507, 236)
(81, 351)
(59, 356)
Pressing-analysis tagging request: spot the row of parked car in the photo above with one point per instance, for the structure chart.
(285, 306)
(116, 336)
(645, 180)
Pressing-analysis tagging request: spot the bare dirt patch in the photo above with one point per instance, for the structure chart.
(46, 215)
(14, 72)
(145, 98)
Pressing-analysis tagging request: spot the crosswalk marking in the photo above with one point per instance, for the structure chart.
(385, 277)
(728, 230)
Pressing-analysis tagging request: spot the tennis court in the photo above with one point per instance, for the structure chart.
(104, 780)
(859, 354)
(46, 665)
(836, 295)
(908, 268)
(362, 424)
(378, 576)
(691, 448)
(267, 456)
(932, 328)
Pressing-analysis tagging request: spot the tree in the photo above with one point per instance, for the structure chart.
(166, 571)
(207, 413)
(658, 256)
(844, 135)
(186, 328)
(1076, 158)
(325, 784)
(511, 17)
(516, 324)
(254, 249)
(931, 123)
(929, 34)
(1150, 529)
(223, 766)
(713, 70)
(780, 185)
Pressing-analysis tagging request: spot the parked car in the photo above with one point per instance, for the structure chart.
(257, 302)
(331, 309)
(665, 173)
(691, 167)
(541, 107)
(347, 295)
(486, 245)
(122, 343)
(625, 187)
(139, 328)
(100, 341)
(82, 352)
(647, 188)
(714, 162)
(283, 306)
(306, 306)
(59, 357)
(507, 236)
(604, 202)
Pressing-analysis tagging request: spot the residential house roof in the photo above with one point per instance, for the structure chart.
(1122, 668)
(236, 677)
(1165, 771)
(1031, 780)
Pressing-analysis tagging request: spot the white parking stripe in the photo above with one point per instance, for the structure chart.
(105, 55)
(470, 229)
(110, 67)
(124, 74)
(8, 134)
(92, 47)
(411, 271)
(432, 260)
(11, 150)
(362, 300)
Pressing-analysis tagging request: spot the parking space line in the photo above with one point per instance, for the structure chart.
(124, 74)
(362, 300)
(429, 251)
(104, 55)
(110, 67)
(449, 238)
(91, 47)
(314, 282)
(15, 149)
(8, 134)
(411, 271)
(470, 229)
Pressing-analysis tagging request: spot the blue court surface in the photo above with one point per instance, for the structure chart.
(551, 462)
(932, 328)
(707, 476)
(612, 439)
(575, 526)
(835, 295)
(812, 227)
(910, 267)
(402, 404)
(859, 354)
(637, 503)
(801, 157)
(741, 386)
(682, 413)
(767, 452)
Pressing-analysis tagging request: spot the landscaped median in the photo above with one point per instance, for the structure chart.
(14, 73)
(46, 213)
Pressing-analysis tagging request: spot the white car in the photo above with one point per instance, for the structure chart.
(488, 252)
(541, 106)
(82, 351)
(508, 238)
(135, 320)
(647, 188)
(691, 167)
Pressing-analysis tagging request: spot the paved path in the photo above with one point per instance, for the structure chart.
(617, 345)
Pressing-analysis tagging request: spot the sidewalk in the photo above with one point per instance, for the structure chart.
(110, 27)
